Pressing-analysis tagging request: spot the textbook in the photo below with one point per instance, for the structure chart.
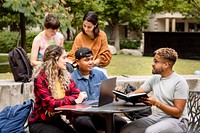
(134, 98)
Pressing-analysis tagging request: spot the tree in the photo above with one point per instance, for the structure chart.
(77, 10)
(135, 13)
(32, 10)
(191, 9)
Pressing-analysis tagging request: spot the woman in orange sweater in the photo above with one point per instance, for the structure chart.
(93, 38)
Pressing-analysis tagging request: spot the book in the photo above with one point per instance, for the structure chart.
(134, 98)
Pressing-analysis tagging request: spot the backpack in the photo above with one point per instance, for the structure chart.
(136, 114)
(13, 118)
(20, 65)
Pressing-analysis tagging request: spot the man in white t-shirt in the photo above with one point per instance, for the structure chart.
(170, 93)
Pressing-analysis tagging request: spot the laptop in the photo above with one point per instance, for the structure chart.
(106, 96)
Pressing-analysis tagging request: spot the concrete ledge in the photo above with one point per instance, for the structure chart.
(10, 91)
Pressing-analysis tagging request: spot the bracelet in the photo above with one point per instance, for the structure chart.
(157, 104)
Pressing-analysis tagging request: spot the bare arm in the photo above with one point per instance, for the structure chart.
(34, 52)
(175, 111)
(61, 40)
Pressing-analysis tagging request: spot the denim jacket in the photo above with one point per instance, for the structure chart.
(90, 85)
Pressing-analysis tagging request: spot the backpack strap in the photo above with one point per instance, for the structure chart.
(32, 101)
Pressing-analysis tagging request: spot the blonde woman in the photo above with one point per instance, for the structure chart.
(53, 87)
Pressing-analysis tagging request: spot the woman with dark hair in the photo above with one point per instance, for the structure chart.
(49, 36)
(93, 38)
(53, 87)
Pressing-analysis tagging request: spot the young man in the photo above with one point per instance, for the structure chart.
(170, 97)
(88, 79)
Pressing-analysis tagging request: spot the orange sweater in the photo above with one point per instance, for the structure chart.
(99, 47)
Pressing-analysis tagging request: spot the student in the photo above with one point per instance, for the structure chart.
(170, 96)
(93, 38)
(49, 36)
(53, 87)
(88, 80)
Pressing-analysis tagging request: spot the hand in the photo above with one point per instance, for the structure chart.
(96, 62)
(81, 97)
(118, 88)
(149, 101)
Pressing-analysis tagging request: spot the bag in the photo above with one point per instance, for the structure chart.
(13, 118)
(136, 114)
(20, 65)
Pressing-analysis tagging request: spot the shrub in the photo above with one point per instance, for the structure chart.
(68, 45)
(129, 44)
(8, 40)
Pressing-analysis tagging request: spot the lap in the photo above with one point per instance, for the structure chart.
(154, 124)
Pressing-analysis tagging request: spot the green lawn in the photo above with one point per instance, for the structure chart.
(132, 66)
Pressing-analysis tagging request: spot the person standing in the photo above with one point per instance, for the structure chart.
(53, 87)
(88, 80)
(94, 39)
(170, 92)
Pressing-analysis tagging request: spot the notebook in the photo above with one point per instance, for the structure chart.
(106, 96)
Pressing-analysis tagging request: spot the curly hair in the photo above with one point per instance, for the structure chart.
(168, 54)
(49, 66)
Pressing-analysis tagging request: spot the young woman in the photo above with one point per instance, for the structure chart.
(53, 87)
(49, 36)
(93, 38)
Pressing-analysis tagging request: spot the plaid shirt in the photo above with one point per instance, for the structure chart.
(44, 101)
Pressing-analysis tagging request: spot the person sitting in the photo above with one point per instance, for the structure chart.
(170, 96)
(49, 36)
(53, 87)
(88, 80)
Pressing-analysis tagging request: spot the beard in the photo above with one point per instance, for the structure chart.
(157, 71)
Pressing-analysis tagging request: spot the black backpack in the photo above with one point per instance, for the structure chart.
(136, 114)
(20, 65)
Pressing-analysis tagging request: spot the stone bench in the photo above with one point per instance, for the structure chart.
(10, 91)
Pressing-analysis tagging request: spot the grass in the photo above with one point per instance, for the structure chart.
(132, 66)
(141, 66)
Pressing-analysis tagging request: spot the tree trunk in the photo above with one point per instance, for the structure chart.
(23, 31)
(116, 36)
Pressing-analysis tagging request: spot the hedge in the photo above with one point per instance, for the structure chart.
(8, 40)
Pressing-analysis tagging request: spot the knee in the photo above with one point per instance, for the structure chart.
(149, 130)
(81, 120)
(125, 130)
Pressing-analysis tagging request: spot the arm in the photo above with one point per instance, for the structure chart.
(71, 54)
(61, 37)
(48, 102)
(104, 57)
(34, 52)
(175, 111)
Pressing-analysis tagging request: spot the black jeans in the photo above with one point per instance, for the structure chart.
(90, 124)
(56, 126)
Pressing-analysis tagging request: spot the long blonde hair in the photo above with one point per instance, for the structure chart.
(49, 66)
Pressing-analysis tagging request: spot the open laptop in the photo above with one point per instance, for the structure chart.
(106, 96)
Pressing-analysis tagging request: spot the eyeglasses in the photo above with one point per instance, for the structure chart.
(156, 61)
